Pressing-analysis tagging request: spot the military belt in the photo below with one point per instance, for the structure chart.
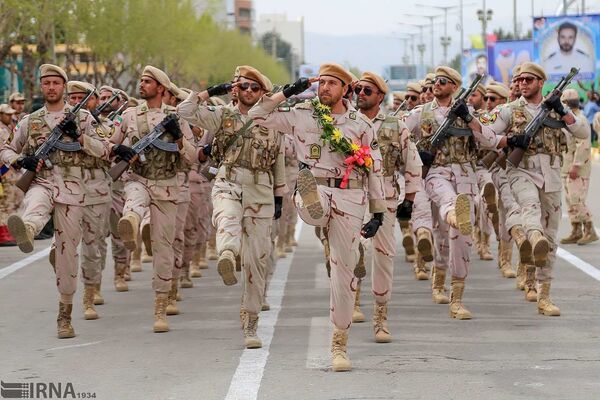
(336, 182)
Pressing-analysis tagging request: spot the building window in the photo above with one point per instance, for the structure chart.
(245, 13)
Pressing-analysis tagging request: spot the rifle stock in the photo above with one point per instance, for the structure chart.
(118, 169)
(489, 158)
(25, 180)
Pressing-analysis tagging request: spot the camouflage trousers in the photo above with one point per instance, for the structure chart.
(421, 214)
(72, 225)
(384, 250)
(120, 254)
(245, 230)
(483, 218)
(139, 199)
(576, 191)
(443, 184)
(10, 197)
(539, 210)
(198, 223)
(183, 204)
(509, 210)
(343, 213)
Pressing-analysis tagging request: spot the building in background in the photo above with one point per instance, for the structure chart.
(237, 14)
(290, 31)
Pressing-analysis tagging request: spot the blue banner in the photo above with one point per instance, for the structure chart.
(504, 56)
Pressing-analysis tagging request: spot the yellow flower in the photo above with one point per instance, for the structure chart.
(337, 135)
(322, 107)
(327, 118)
(354, 147)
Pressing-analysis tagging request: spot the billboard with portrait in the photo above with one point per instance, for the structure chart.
(504, 56)
(475, 61)
(562, 42)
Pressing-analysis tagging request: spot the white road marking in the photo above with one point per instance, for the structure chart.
(319, 342)
(246, 380)
(4, 272)
(579, 263)
(74, 346)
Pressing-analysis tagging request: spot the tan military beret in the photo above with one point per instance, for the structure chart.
(481, 89)
(375, 80)
(449, 73)
(77, 87)
(106, 88)
(6, 109)
(498, 89)
(133, 102)
(570, 94)
(52, 70)
(337, 71)
(399, 96)
(16, 96)
(429, 78)
(534, 69)
(414, 87)
(248, 72)
(216, 101)
(177, 92)
(186, 90)
(423, 83)
(158, 75)
(516, 71)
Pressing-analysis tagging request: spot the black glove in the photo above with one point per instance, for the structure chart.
(30, 163)
(296, 88)
(520, 141)
(553, 102)
(404, 210)
(172, 126)
(426, 157)
(461, 110)
(207, 149)
(370, 228)
(69, 127)
(123, 152)
(278, 207)
(219, 90)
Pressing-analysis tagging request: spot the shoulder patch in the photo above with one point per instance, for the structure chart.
(314, 151)
(283, 108)
(488, 118)
(352, 115)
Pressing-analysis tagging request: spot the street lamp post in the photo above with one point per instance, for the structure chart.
(484, 15)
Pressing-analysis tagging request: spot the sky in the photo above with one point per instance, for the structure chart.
(360, 27)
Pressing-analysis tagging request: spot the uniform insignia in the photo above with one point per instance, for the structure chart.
(35, 125)
(374, 145)
(488, 118)
(228, 123)
(211, 108)
(283, 108)
(144, 108)
(314, 151)
(352, 115)
(426, 127)
(117, 121)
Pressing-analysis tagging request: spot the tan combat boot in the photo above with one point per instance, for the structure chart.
(530, 289)
(22, 233)
(589, 234)
(127, 274)
(226, 266)
(307, 189)
(172, 308)
(484, 248)
(251, 340)
(201, 257)
(408, 242)
(505, 259)
(129, 226)
(160, 312)
(438, 291)
(489, 196)
(120, 283)
(380, 326)
(523, 244)
(147, 240)
(460, 217)
(197, 258)
(265, 306)
(419, 268)
(457, 309)
(280, 247)
(291, 235)
(135, 261)
(477, 239)
(89, 311)
(287, 242)
(540, 247)
(211, 248)
(357, 314)
(339, 357)
(98, 299)
(184, 281)
(521, 276)
(360, 271)
(145, 257)
(64, 327)
(544, 304)
(575, 235)
(425, 244)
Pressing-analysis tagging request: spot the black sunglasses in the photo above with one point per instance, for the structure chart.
(412, 97)
(427, 89)
(255, 87)
(366, 90)
(490, 98)
(526, 79)
(442, 81)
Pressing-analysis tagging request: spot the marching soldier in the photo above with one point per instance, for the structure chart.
(400, 156)
(249, 186)
(575, 173)
(9, 196)
(451, 182)
(153, 184)
(75, 188)
(16, 101)
(535, 182)
(515, 91)
(330, 193)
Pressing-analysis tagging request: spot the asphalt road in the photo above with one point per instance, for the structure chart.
(507, 351)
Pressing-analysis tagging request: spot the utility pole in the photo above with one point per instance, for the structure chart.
(515, 19)
(444, 40)
(420, 47)
(484, 15)
(431, 18)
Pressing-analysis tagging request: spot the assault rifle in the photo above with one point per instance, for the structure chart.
(54, 142)
(400, 107)
(541, 118)
(118, 111)
(169, 124)
(96, 113)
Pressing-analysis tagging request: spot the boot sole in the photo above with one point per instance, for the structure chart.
(462, 208)
(253, 344)
(147, 239)
(525, 252)
(127, 233)
(342, 368)
(421, 276)
(161, 329)
(90, 317)
(409, 244)
(67, 335)
(225, 267)
(548, 314)
(307, 188)
(540, 253)
(18, 230)
(186, 285)
(461, 317)
(425, 249)
(489, 195)
(360, 271)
